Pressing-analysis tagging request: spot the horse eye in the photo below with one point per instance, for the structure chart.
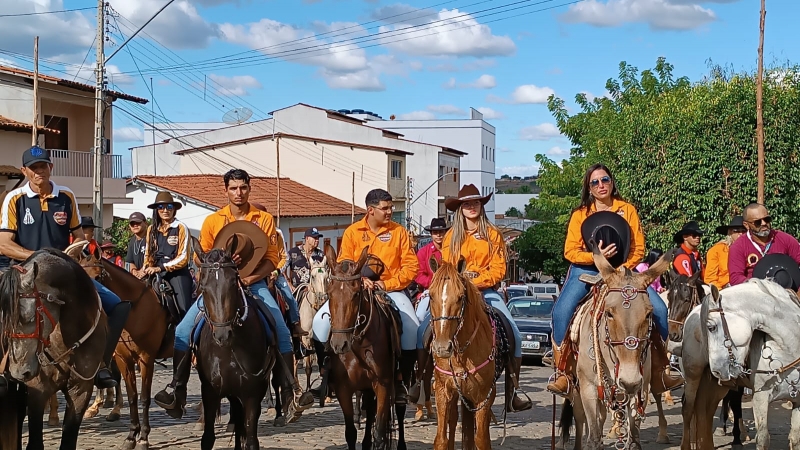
(712, 327)
(609, 316)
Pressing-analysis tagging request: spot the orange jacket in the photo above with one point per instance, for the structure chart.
(490, 267)
(575, 251)
(391, 245)
(717, 265)
(215, 221)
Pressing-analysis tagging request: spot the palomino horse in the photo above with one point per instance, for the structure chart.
(613, 365)
(310, 298)
(751, 336)
(234, 359)
(365, 354)
(466, 357)
(146, 337)
(57, 331)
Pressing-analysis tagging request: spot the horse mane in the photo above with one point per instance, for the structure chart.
(10, 282)
(769, 287)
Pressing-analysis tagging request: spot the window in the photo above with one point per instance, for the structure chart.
(397, 169)
(58, 141)
(455, 174)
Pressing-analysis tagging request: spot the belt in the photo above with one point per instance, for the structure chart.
(470, 274)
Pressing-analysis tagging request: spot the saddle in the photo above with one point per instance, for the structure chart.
(256, 307)
(387, 306)
(166, 297)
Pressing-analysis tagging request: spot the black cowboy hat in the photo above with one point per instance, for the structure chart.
(781, 268)
(437, 224)
(611, 228)
(88, 222)
(467, 193)
(251, 244)
(165, 198)
(736, 222)
(691, 227)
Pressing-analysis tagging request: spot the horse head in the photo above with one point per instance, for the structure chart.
(727, 334)
(450, 291)
(318, 278)
(88, 256)
(346, 297)
(223, 304)
(628, 318)
(685, 292)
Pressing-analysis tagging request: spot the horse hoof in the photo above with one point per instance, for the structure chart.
(112, 417)
(279, 422)
(231, 428)
(108, 404)
(53, 422)
(128, 444)
(199, 426)
(143, 446)
(663, 440)
(419, 416)
(719, 432)
(90, 413)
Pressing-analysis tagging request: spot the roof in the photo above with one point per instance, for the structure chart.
(13, 125)
(69, 83)
(10, 171)
(297, 200)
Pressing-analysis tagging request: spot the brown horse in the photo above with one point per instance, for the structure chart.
(464, 354)
(146, 336)
(365, 354)
(57, 330)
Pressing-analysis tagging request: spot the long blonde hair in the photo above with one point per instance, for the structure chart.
(460, 234)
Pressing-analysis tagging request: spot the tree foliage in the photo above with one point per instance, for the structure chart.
(119, 233)
(541, 249)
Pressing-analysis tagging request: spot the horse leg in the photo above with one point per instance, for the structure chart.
(706, 402)
(400, 413)
(663, 437)
(52, 420)
(688, 412)
(75, 406)
(794, 431)
(595, 415)
(129, 375)
(369, 404)
(252, 412)
(446, 402)
(146, 370)
(467, 428)
(237, 421)
(668, 400)
(383, 426)
(114, 415)
(109, 398)
(427, 376)
(308, 368)
(280, 420)
(210, 406)
(36, 401)
(346, 403)
(736, 408)
(483, 419)
(201, 421)
(93, 410)
(760, 413)
(580, 422)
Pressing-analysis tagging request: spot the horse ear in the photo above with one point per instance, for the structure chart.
(662, 265)
(694, 278)
(197, 248)
(231, 244)
(362, 260)
(330, 257)
(434, 265)
(462, 265)
(96, 253)
(603, 266)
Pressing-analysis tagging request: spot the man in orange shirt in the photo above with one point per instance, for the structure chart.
(717, 258)
(390, 243)
(687, 258)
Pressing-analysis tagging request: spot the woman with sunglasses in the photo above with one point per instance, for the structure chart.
(168, 250)
(600, 194)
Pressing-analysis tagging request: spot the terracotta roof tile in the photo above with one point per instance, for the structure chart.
(297, 200)
(13, 125)
(9, 171)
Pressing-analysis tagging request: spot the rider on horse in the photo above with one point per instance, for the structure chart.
(390, 243)
(687, 260)
(717, 257)
(237, 185)
(600, 194)
(43, 214)
(300, 257)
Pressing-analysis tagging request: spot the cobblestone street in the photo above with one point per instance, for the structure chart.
(324, 429)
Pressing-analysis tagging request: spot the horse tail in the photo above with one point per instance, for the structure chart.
(10, 283)
(565, 422)
(12, 411)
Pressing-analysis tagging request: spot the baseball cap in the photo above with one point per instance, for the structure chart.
(312, 232)
(137, 217)
(34, 155)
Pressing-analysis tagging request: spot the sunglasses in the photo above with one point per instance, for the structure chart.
(168, 207)
(135, 224)
(603, 180)
(759, 222)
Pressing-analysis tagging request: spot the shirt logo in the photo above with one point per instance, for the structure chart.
(172, 240)
(60, 217)
(752, 260)
(386, 237)
(273, 239)
(28, 219)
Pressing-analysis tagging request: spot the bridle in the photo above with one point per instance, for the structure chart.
(693, 302)
(460, 320)
(241, 313)
(361, 319)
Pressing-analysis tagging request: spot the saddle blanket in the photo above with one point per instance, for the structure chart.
(200, 323)
(585, 308)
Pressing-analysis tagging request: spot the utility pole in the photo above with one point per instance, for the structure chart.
(760, 105)
(99, 109)
(278, 166)
(409, 195)
(35, 126)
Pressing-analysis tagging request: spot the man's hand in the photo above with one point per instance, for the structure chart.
(273, 276)
(237, 259)
(380, 285)
(247, 281)
(368, 284)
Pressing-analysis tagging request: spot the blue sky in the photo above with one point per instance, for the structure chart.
(349, 54)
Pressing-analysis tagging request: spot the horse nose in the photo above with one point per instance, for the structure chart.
(340, 345)
(222, 335)
(442, 350)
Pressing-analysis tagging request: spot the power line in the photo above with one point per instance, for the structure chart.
(47, 12)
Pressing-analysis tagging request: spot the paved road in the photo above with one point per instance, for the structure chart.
(324, 429)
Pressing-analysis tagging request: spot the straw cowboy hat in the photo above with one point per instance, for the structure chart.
(691, 227)
(736, 223)
(781, 268)
(165, 198)
(251, 244)
(610, 228)
(467, 193)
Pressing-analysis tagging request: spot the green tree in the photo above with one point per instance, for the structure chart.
(119, 234)
(505, 177)
(524, 189)
(513, 212)
(541, 248)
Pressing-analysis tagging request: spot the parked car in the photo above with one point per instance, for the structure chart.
(533, 314)
(544, 289)
(518, 290)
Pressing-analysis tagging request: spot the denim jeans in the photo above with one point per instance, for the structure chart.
(291, 302)
(260, 290)
(107, 298)
(575, 290)
(494, 299)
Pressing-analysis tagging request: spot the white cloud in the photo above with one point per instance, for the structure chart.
(519, 171)
(234, 86)
(128, 134)
(541, 132)
(86, 75)
(531, 94)
(179, 26)
(657, 14)
(591, 97)
(478, 64)
(64, 36)
(490, 114)
(454, 33)
(558, 151)
(417, 115)
(482, 82)
(448, 110)
(362, 80)
(349, 29)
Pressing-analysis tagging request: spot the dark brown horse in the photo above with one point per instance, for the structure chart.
(234, 360)
(146, 337)
(57, 331)
(365, 355)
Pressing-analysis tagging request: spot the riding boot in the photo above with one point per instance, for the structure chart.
(562, 379)
(404, 365)
(422, 361)
(175, 402)
(661, 377)
(517, 403)
(301, 401)
(116, 322)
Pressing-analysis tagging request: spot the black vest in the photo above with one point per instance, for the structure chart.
(697, 266)
(166, 245)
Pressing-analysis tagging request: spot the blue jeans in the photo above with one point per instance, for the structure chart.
(575, 290)
(291, 302)
(107, 298)
(260, 290)
(494, 299)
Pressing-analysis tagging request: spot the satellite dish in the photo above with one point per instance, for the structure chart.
(237, 116)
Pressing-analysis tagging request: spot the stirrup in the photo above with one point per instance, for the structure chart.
(514, 395)
(553, 378)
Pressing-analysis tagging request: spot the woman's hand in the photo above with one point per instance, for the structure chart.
(608, 251)
(152, 270)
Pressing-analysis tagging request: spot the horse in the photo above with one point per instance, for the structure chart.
(467, 358)
(365, 342)
(56, 329)
(146, 337)
(310, 298)
(234, 359)
(751, 336)
(613, 363)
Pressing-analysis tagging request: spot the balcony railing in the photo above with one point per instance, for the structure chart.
(68, 163)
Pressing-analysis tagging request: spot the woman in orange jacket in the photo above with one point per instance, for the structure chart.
(717, 258)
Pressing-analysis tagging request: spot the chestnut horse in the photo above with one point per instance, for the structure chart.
(146, 337)
(365, 354)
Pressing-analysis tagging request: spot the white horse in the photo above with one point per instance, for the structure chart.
(311, 297)
(752, 334)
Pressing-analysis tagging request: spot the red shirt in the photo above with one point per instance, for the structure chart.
(425, 274)
(745, 254)
(683, 263)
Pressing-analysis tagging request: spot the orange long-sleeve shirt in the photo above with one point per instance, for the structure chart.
(215, 221)
(490, 266)
(575, 250)
(391, 244)
(717, 265)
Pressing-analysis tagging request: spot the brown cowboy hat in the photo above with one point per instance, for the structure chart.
(251, 244)
(467, 193)
(165, 198)
(108, 244)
